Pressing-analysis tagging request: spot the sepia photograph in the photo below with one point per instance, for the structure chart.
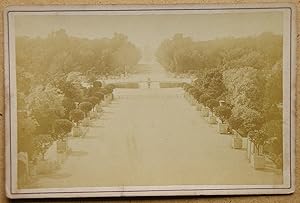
(149, 100)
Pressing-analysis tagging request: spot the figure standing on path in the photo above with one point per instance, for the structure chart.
(149, 82)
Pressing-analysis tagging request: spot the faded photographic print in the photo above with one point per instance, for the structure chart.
(129, 101)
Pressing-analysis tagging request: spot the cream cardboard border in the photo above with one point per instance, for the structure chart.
(289, 172)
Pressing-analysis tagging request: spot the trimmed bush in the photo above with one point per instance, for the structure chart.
(76, 115)
(94, 100)
(212, 104)
(86, 107)
(97, 84)
(204, 98)
(100, 95)
(223, 112)
(110, 86)
(61, 127)
(108, 90)
(196, 94)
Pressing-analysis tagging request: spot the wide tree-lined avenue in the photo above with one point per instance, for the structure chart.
(153, 136)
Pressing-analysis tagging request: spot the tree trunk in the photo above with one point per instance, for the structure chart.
(256, 148)
(43, 155)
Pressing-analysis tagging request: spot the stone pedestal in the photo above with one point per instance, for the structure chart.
(76, 131)
(204, 112)
(236, 142)
(212, 119)
(86, 122)
(93, 115)
(199, 107)
(223, 128)
(62, 146)
(257, 161)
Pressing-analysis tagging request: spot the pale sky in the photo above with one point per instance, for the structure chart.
(150, 30)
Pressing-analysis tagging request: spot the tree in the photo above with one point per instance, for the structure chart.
(243, 85)
(235, 122)
(212, 83)
(41, 144)
(24, 80)
(69, 105)
(252, 119)
(86, 107)
(223, 112)
(21, 102)
(258, 138)
(26, 132)
(273, 90)
(76, 115)
(273, 95)
(178, 54)
(124, 54)
(274, 144)
(46, 105)
(72, 56)
(273, 112)
(70, 90)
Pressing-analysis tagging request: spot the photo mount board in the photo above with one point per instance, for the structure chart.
(289, 57)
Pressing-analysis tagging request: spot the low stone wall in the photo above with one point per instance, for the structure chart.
(128, 85)
(170, 84)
